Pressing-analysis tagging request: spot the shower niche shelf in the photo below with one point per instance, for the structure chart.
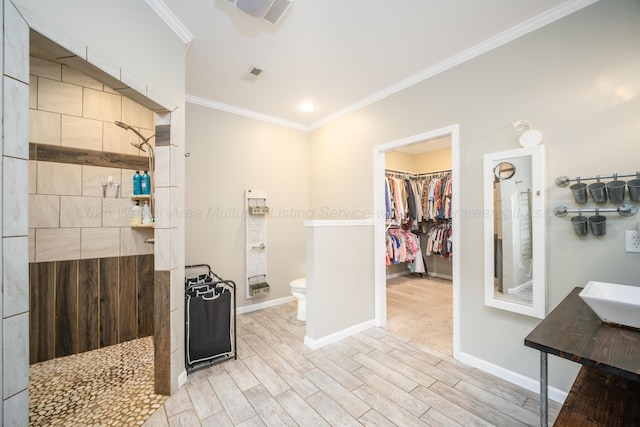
(143, 225)
(142, 198)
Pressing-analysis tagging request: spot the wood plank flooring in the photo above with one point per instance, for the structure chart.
(374, 378)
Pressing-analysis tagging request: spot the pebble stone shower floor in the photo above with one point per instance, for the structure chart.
(111, 386)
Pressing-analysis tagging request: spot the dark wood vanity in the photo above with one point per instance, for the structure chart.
(606, 391)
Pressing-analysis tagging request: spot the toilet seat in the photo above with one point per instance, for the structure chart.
(299, 284)
(299, 290)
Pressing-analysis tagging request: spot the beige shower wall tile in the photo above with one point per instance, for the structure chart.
(32, 245)
(57, 244)
(137, 116)
(15, 196)
(33, 176)
(116, 212)
(33, 92)
(59, 178)
(44, 127)
(162, 208)
(117, 140)
(99, 243)
(69, 75)
(80, 211)
(81, 133)
(43, 68)
(44, 211)
(15, 102)
(15, 354)
(16, 38)
(101, 105)
(94, 176)
(15, 274)
(132, 241)
(162, 249)
(59, 97)
(163, 166)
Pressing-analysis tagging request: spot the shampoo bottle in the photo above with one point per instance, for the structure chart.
(146, 214)
(137, 184)
(145, 183)
(136, 214)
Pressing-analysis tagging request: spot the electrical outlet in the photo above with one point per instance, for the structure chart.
(631, 241)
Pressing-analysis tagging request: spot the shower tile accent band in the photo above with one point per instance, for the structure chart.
(59, 154)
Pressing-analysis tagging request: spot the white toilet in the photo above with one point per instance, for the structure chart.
(299, 290)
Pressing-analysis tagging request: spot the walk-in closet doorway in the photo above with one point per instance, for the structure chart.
(423, 307)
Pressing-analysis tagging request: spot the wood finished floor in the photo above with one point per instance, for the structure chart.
(374, 378)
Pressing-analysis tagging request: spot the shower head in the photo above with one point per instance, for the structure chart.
(127, 127)
(123, 125)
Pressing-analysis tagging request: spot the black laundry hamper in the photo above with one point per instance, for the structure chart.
(210, 309)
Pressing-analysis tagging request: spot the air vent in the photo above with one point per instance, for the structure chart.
(255, 71)
(269, 10)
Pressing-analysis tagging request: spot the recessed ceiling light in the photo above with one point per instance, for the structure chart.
(307, 107)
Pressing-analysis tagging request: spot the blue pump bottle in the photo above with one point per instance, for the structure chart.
(145, 183)
(137, 184)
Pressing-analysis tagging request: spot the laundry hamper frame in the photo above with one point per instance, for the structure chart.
(210, 318)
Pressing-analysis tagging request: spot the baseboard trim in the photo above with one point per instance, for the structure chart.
(265, 304)
(513, 377)
(440, 276)
(337, 336)
(398, 274)
(182, 378)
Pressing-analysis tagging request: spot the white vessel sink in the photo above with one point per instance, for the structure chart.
(617, 304)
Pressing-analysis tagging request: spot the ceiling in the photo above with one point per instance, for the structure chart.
(340, 55)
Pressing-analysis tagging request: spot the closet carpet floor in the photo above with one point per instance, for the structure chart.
(421, 308)
(374, 378)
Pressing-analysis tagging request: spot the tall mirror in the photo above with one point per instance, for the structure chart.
(514, 231)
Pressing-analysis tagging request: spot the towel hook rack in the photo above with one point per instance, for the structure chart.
(625, 209)
(563, 181)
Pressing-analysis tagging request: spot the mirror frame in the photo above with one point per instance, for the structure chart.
(538, 222)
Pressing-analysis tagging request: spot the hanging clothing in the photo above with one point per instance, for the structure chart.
(416, 198)
(439, 240)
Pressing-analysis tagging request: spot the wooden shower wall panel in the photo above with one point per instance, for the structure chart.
(41, 311)
(88, 298)
(128, 307)
(145, 295)
(66, 308)
(109, 275)
(81, 305)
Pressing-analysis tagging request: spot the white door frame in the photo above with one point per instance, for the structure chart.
(379, 220)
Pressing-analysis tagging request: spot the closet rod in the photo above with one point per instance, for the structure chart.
(447, 171)
(563, 181)
(625, 209)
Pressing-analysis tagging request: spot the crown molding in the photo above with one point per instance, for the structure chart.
(171, 20)
(494, 42)
(245, 113)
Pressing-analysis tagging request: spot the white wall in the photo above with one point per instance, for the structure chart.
(228, 155)
(577, 81)
(338, 274)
